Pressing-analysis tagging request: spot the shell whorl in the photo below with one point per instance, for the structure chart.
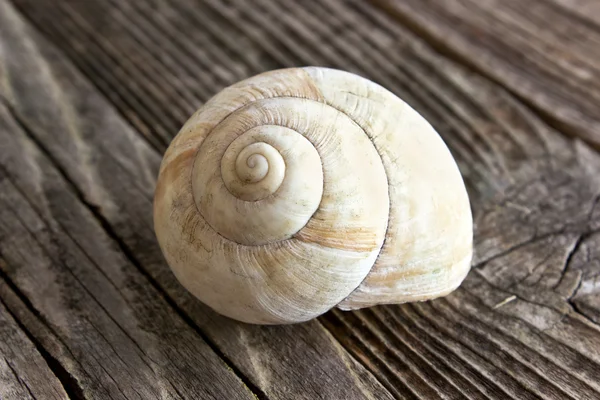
(267, 201)
(275, 199)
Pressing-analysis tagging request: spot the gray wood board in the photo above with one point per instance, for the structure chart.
(92, 92)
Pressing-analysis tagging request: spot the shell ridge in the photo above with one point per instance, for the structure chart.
(389, 199)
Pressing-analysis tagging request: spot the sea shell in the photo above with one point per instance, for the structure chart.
(303, 189)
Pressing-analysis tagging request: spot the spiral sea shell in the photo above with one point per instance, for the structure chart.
(302, 189)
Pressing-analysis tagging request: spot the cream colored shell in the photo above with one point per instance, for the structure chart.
(299, 190)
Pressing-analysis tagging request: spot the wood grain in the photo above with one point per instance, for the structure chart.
(540, 52)
(510, 86)
(24, 372)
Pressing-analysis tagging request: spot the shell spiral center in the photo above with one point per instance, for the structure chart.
(258, 185)
(259, 169)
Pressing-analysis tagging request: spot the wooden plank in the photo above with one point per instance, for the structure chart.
(90, 146)
(24, 373)
(586, 262)
(524, 324)
(540, 52)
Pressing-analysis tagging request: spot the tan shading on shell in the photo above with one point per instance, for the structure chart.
(299, 190)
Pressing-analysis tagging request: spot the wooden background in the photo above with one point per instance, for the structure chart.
(91, 92)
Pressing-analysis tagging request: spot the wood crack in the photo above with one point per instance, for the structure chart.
(568, 261)
(19, 379)
(68, 381)
(534, 239)
(582, 313)
(511, 293)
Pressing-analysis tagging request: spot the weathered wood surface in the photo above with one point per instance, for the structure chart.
(91, 92)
